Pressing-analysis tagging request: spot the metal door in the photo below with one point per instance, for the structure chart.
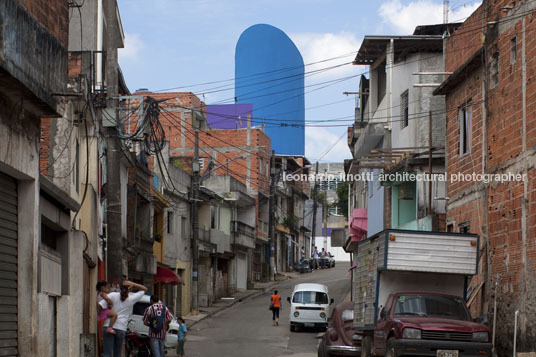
(8, 266)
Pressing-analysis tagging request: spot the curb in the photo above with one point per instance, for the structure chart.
(245, 298)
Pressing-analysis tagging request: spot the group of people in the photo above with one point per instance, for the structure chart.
(316, 257)
(115, 309)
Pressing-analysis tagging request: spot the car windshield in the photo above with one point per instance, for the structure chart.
(139, 308)
(430, 305)
(310, 297)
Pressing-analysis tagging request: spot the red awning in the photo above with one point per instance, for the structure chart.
(166, 276)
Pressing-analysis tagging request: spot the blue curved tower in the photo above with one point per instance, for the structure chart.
(269, 73)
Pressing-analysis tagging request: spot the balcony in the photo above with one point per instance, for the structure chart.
(244, 235)
(262, 230)
(369, 139)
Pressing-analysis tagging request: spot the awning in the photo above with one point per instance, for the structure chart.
(166, 276)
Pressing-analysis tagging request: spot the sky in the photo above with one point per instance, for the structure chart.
(184, 45)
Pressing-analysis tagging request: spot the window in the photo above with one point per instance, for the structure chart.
(404, 109)
(465, 123)
(382, 82)
(214, 217)
(183, 228)
(169, 222)
(310, 297)
(464, 227)
(431, 305)
(494, 69)
(513, 50)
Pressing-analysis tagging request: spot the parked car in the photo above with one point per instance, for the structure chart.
(329, 260)
(309, 306)
(135, 323)
(429, 324)
(338, 339)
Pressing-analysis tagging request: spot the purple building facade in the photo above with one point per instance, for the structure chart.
(229, 116)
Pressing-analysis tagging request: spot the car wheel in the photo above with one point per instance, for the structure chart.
(366, 346)
(322, 349)
(391, 350)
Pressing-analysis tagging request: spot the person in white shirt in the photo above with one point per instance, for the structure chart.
(123, 302)
(315, 257)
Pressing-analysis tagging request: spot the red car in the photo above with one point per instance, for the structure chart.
(427, 324)
(338, 340)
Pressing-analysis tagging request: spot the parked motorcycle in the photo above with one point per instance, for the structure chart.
(137, 345)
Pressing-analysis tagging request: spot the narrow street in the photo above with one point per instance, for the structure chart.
(246, 328)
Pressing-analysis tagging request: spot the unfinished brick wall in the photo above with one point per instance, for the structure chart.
(52, 14)
(504, 214)
(216, 145)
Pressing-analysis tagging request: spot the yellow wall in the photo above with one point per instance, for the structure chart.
(158, 247)
(186, 297)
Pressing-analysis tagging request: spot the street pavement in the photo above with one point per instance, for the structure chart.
(244, 328)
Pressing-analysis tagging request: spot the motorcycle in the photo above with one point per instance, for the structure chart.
(137, 345)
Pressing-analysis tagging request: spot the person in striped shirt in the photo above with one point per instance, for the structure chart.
(157, 317)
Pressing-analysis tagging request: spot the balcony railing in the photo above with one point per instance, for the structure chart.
(242, 228)
(263, 227)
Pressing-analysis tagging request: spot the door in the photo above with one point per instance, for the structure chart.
(241, 271)
(8, 265)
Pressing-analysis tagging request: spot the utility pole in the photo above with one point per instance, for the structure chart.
(325, 212)
(114, 242)
(315, 207)
(271, 217)
(195, 225)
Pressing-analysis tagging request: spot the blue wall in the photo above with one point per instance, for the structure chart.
(269, 74)
(375, 206)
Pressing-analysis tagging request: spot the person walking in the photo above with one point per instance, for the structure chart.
(157, 317)
(181, 337)
(123, 303)
(275, 306)
(302, 254)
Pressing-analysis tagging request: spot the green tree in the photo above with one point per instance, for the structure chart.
(342, 198)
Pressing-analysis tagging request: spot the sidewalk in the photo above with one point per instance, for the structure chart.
(226, 302)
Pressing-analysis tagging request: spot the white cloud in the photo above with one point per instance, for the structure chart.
(403, 18)
(315, 47)
(133, 46)
(319, 140)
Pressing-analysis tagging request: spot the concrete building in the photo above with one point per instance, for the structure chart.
(290, 229)
(269, 74)
(42, 255)
(390, 140)
(489, 127)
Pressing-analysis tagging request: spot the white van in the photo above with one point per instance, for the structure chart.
(135, 322)
(309, 306)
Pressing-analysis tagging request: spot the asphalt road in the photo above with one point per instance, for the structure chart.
(246, 330)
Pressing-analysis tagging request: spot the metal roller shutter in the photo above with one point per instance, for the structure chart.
(8, 266)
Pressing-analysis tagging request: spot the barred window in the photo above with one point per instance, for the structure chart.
(404, 109)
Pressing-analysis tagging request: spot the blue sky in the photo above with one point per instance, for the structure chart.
(177, 43)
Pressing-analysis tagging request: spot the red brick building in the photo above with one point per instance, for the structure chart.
(491, 130)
